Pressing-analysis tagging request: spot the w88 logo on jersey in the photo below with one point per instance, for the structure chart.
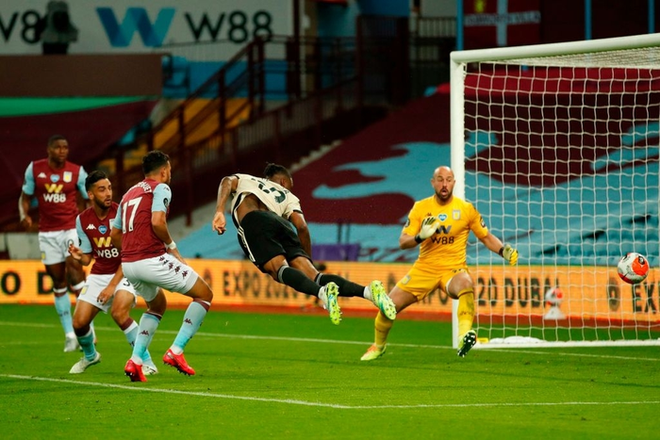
(55, 198)
(107, 253)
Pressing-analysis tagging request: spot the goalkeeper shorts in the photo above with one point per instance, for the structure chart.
(421, 283)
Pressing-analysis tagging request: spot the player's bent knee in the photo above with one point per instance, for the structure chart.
(119, 315)
(80, 325)
(158, 305)
(201, 290)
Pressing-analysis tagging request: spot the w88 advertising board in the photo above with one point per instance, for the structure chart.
(144, 25)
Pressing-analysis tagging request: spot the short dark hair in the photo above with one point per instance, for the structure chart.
(154, 160)
(54, 138)
(273, 169)
(94, 177)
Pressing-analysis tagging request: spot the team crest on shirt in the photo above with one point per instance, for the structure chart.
(68, 176)
(103, 229)
(54, 178)
(456, 214)
(442, 217)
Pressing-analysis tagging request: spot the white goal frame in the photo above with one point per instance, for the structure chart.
(535, 55)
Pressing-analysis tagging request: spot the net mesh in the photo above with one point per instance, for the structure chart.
(561, 159)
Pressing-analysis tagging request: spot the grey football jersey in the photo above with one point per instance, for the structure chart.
(277, 199)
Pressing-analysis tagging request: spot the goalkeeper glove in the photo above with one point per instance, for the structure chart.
(509, 254)
(428, 229)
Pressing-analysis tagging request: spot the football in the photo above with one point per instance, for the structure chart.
(633, 268)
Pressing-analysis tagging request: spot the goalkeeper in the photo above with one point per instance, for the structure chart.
(440, 225)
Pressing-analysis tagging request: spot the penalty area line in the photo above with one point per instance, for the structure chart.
(321, 404)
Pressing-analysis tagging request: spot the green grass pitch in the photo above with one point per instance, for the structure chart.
(298, 376)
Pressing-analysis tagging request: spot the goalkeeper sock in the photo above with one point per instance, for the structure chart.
(465, 310)
(346, 288)
(297, 280)
(382, 327)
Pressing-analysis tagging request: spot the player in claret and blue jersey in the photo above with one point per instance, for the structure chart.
(151, 260)
(105, 288)
(55, 183)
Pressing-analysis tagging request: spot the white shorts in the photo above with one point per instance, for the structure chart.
(96, 283)
(165, 271)
(54, 245)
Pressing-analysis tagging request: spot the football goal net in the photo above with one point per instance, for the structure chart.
(557, 146)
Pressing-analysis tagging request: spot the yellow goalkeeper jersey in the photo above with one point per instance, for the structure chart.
(446, 249)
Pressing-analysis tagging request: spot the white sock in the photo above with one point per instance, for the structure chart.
(323, 297)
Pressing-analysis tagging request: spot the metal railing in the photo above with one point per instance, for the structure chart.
(315, 80)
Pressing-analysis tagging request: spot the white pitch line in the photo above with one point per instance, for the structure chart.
(602, 356)
(321, 404)
(344, 342)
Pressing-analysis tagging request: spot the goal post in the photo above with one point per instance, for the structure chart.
(557, 146)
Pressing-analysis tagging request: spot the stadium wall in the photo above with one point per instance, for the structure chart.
(81, 75)
(588, 293)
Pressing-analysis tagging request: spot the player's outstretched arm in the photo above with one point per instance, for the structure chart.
(298, 220)
(505, 251)
(227, 186)
(509, 254)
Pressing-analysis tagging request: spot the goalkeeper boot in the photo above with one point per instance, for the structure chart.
(179, 362)
(466, 343)
(134, 371)
(374, 352)
(380, 298)
(330, 303)
(83, 363)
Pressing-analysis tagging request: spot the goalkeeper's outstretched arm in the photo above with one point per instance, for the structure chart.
(503, 250)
